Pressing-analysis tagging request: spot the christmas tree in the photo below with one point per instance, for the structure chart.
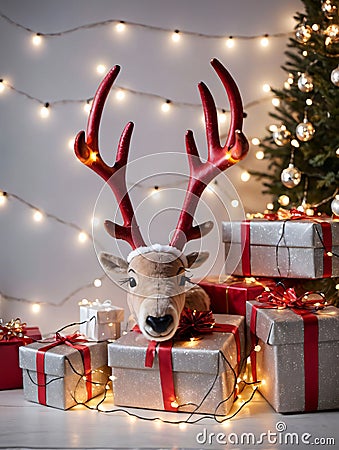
(303, 146)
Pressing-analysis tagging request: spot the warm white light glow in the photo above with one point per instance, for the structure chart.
(337, 152)
(82, 236)
(176, 36)
(182, 426)
(290, 79)
(97, 282)
(275, 101)
(309, 102)
(266, 87)
(295, 143)
(44, 111)
(222, 117)
(87, 106)
(245, 176)
(257, 348)
(2, 86)
(37, 40)
(71, 143)
(264, 41)
(255, 141)
(166, 106)
(155, 192)
(273, 128)
(101, 69)
(337, 286)
(38, 216)
(120, 95)
(235, 203)
(230, 42)
(36, 308)
(270, 206)
(120, 27)
(260, 154)
(315, 27)
(305, 53)
(132, 419)
(284, 200)
(287, 85)
(309, 212)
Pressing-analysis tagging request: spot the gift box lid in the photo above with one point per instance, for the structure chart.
(59, 360)
(104, 312)
(295, 233)
(200, 356)
(283, 326)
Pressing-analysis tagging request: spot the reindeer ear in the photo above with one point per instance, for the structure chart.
(196, 259)
(112, 263)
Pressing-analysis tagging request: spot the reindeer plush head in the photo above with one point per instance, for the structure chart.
(156, 274)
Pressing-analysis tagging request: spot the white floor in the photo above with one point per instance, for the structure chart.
(28, 425)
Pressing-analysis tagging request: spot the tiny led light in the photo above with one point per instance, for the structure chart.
(264, 41)
(230, 42)
(255, 141)
(287, 85)
(309, 102)
(101, 68)
(222, 116)
(273, 128)
(337, 286)
(37, 40)
(295, 143)
(82, 236)
(36, 307)
(257, 348)
(270, 206)
(38, 216)
(260, 154)
(120, 27)
(87, 106)
(266, 87)
(44, 111)
(2, 86)
(235, 203)
(120, 95)
(284, 200)
(166, 106)
(315, 27)
(174, 404)
(337, 152)
(71, 142)
(182, 426)
(176, 36)
(245, 176)
(3, 198)
(275, 101)
(305, 53)
(97, 282)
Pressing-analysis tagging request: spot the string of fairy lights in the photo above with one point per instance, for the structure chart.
(46, 107)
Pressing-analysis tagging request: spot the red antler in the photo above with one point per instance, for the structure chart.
(88, 153)
(219, 158)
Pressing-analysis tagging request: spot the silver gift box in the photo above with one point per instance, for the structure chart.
(280, 361)
(195, 370)
(288, 249)
(102, 321)
(64, 369)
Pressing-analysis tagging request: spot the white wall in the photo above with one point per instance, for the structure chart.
(43, 262)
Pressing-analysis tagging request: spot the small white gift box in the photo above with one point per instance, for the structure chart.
(100, 321)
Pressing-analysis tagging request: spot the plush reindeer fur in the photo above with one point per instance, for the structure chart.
(158, 287)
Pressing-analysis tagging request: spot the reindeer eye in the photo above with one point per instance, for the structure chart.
(132, 282)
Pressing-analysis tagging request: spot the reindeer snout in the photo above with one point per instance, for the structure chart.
(159, 324)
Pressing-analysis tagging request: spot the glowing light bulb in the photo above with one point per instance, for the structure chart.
(266, 87)
(337, 152)
(36, 308)
(120, 95)
(97, 282)
(235, 203)
(222, 117)
(182, 426)
(273, 128)
(87, 106)
(275, 101)
(245, 176)
(284, 200)
(264, 41)
(38, 216)
(82, 237)
(176, 36)
(270, 206)
(120, 27)
(255, 141)
(230, 42)
(37, 40)
(337, 286)
(260, 154)
(101, 69)
(166, 106)
(309, 102)
(290, 79)
(295, 143)
(257, 348)
(2, 86)
(44, 111)
(3, 198)
(305, 53)
(71, 142)
(156, 192)
(287, 86)
(315, 27)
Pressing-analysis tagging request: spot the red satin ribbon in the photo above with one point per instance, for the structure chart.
(74, 342)
(287, 215)
(311, 337)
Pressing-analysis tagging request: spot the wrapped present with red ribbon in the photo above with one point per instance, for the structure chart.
(64, 371)
(13, 335)
(290, 245)
(294, 354)
(228, 295)
(197, 371)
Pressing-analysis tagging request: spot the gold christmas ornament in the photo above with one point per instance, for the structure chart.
(291, 176)
(332, 33)
(329, 9)
(335, 76)
(303, 33)
(305, 83)
(305, 130)
(281, 136)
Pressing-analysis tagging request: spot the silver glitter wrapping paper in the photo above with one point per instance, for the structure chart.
(280, 362)
(300, 243)
(64, 388)
(106, 323)
(195, 367)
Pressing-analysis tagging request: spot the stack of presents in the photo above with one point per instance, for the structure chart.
(258, 330)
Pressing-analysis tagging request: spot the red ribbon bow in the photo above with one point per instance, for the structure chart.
(14, 329)
(282, 298)
(193, 323)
